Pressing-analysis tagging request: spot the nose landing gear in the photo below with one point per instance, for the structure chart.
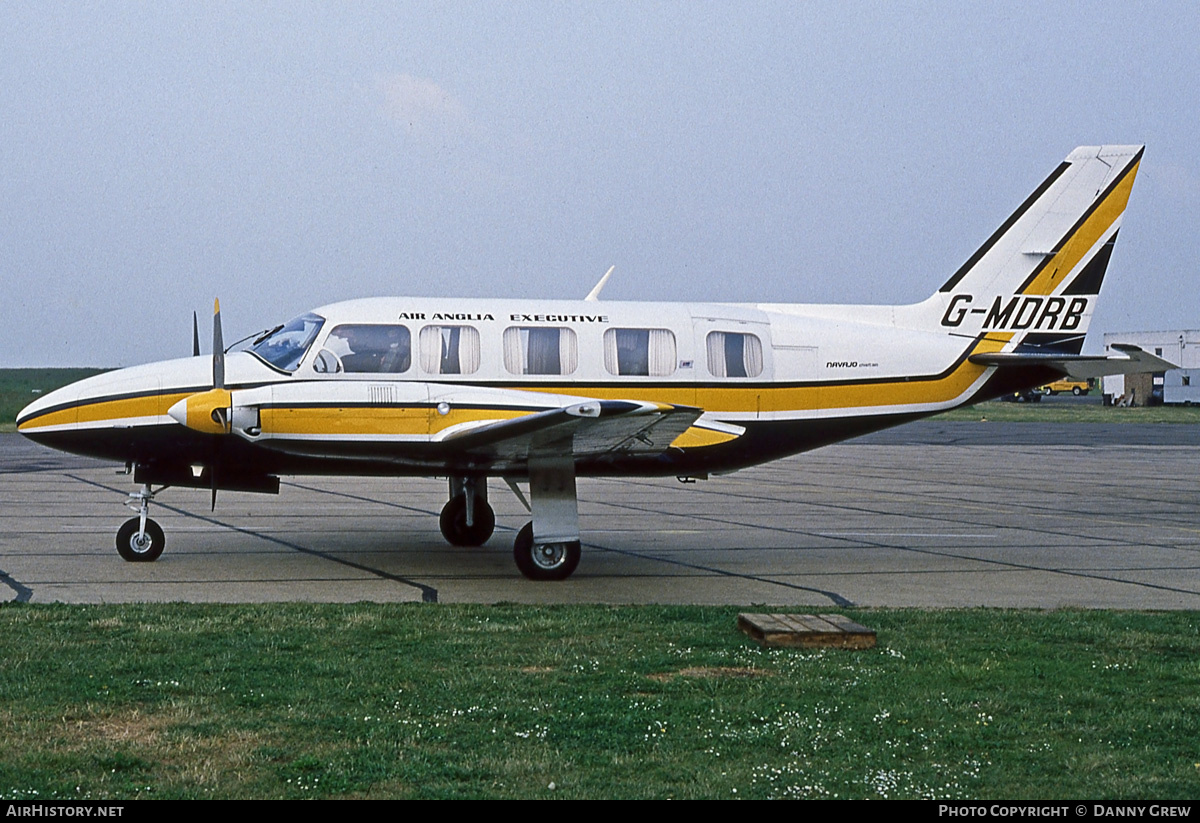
(140, 539)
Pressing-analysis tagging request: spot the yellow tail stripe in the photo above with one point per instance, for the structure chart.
(1085, 238)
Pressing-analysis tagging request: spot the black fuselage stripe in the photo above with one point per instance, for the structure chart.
(138, 395)
(576, 387)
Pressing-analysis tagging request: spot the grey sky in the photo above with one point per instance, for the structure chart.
(282, 156)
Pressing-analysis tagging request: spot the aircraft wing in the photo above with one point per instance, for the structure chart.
(427, 421)
(589, 429)
(1128, 360)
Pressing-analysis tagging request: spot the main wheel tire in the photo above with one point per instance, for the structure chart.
(1076, 391)
(453, 522)
(137, 548)
(545, 561)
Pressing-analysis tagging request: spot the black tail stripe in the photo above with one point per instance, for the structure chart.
(1089, 280)
(1008, 224)
(1079, 223)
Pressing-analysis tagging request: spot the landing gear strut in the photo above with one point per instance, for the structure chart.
(140, 539)
(548, 547)
(467, 519)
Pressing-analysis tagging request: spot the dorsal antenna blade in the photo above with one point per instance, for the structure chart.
(594, 294)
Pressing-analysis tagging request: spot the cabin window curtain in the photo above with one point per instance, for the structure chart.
(514, 359)
(540, 350)
(431, 341)
(731, 354)
(611, 362)
(716, 354)
(752, 355)
(468, 350)
(568, 352)
(639, 352)
(450, 350)
(662, 352)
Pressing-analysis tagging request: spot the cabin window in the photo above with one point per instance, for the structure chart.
(449, 350)
(732, 354)
(357, 348)
(539, 350)
(645, 352)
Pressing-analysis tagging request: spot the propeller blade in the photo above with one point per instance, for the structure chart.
(195, 336)
(213, 475)
(218, 348)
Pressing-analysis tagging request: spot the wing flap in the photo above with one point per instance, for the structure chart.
(588, 429)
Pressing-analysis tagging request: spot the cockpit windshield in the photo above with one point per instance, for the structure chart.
(285, 347)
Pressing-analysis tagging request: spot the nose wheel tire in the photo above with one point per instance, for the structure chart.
(453, 522)
(140, 548)
(544, 561)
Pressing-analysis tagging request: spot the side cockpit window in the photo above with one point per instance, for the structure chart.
(733, 354)
(360, 348)
(285, 346)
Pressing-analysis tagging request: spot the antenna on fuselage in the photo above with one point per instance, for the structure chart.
(594, 294)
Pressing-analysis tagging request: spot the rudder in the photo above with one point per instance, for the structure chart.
(1035, 281)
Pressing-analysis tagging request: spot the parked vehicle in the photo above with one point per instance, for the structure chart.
(1075, 387)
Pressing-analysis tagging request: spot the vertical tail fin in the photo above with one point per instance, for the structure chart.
(1035, 281)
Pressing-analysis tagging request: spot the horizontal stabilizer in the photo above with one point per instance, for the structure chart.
(1128, 360)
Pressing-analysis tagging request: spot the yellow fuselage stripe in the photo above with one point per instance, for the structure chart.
(333, 420)
(152, 405)
(422, 420)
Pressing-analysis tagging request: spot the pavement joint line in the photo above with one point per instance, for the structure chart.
(1143, 519)
(934, 553)
(428, 593)
(836, 598)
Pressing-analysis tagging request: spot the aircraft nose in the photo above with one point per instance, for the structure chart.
(55, 408)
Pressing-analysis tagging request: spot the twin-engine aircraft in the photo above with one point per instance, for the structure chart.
(546, 391)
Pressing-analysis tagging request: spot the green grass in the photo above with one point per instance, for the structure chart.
(1071, 412)
(20, 387)
(423, 701)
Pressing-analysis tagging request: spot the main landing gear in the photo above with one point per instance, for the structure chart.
(467, 519)
(548, 547)
(140, 539)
